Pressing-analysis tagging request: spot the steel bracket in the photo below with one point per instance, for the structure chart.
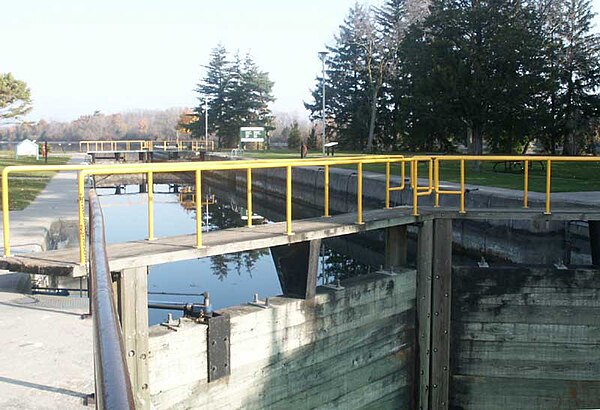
(219, 332)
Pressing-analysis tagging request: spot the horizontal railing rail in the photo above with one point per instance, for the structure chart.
(144, 145)
(113, 384)
(430, 185)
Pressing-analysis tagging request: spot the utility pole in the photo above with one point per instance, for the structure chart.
(322, 56)
(206, 123)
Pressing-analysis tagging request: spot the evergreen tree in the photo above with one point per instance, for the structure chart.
(15, 98)
(477, 62)
(573, 72)
(295, 138)
(312, 141)
(348, 101)
(238, 93)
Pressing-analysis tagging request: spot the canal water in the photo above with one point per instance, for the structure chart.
(231, 279)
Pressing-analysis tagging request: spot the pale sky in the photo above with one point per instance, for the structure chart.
(79, 56)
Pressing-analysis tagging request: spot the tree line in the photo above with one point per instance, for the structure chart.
(432, 75)
(143, 124)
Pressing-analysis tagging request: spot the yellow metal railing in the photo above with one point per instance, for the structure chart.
(431, 187)
(144, 145)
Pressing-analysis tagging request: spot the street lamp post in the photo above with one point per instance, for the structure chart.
(206, 123)
(322, 56)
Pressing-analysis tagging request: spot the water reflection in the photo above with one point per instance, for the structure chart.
(230, 279)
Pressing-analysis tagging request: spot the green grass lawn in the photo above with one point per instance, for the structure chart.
(566, 176)
(24, 187)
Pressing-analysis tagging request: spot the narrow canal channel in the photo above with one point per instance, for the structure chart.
(231, 279)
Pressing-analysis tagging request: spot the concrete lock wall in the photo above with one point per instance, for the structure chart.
(349, 348)
(525, 338)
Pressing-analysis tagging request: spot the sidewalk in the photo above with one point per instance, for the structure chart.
(46, 359)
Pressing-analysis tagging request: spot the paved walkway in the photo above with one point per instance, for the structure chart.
(46, 357)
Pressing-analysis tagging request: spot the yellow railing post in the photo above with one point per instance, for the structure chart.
(436, 184)
(462, 186)
(415, 185)
(430, 182)
(526, 185)
(387, 185)
(326, 193)
(288, 200)
(81, 204)
(548, 186)
(359, 193)
(5, 213)
(249, 195)
(199, 209)
(150, 206)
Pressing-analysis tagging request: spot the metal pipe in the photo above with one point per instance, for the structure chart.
(198, 209)
(5, 212)
(359, 190)
(326, 194)
(462, 186)
(322, 56)
(436, 166)
(387, 185)
(288, 201)
(151, 206)
(81, 203)
(548, 183)
(526, 185)
(249, 195)
(415, 186)
(113, 383)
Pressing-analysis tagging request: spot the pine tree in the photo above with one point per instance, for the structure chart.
(347, 97)
(238, 93)
(214, 88)
(573, 53)
(295, 138)
(312, 141)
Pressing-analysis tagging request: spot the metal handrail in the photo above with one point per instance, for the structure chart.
(432, 186)
(113, 384)
(144, 145)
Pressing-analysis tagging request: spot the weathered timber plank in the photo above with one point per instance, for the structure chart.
(297, 336)
(134, 320)
(528, 369)
(553, 353)
(550, 315)
(176, 356)
(573, 298)
(424, 288)
(365, 395)
(286, 382)
(527, 332)
(380, 377)
(256, 387)
(399, 399)
(499, 393)
(367, 290)
(388, 290)
(396, 244)
(441, 308)
(507, 278)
